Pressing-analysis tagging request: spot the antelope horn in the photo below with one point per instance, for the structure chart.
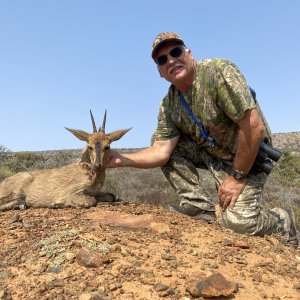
(93, 121)
(103, 124)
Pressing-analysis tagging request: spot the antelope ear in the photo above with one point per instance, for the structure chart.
(116, 135)
(82, 135)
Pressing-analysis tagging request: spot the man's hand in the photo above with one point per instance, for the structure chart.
(113, 159)
(152, 157)
(229, 192)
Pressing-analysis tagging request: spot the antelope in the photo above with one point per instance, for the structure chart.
(75, 185)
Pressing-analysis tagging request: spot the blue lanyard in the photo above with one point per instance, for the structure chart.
(212, 142)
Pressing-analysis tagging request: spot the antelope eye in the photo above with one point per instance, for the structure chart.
(90, 148)
(107, 147)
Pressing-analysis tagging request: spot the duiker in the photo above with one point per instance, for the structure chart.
(75, 185)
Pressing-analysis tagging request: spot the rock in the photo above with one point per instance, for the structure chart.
(85, 296)
(15, 219)
(42, 253)
(214, 285)
(241, 244)
(91, 259)
(70, 256)
(42, 288)
(55, 283)
(92, 296)
(236, 243)
(115, 286)
(5, 274)
(228, 242)
(4, 295)
(167, 273)
(56, 269)
(167, 256)
(160, 287)
(256, 277)
(168, 292)
(297, 286)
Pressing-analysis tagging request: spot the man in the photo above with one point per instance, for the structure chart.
(219, 98)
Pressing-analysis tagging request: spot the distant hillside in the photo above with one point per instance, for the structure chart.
(55, 158)
(287, 141)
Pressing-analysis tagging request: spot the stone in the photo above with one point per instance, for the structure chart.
(91, 296)
(257, 277)
(228, 242)
(5, 274)
(215, 285)
(167, 256)
(160, 287)
(241, 244)
(297, 286)
(91, 259)
(70, 256)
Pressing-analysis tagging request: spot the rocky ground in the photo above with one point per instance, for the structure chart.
(135, 251)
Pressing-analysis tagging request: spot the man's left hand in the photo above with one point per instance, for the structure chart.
(229, 192)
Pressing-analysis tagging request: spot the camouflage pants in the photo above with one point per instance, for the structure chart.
(248, 215)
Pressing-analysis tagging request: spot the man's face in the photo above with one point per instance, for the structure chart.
(179, 69)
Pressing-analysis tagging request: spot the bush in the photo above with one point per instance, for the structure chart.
(4, 152)
(287, 170)
(11, 163)
(5, 170)
(26, 160)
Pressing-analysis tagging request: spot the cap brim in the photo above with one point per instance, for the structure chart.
(162, 43)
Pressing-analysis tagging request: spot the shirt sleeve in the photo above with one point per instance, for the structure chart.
(166, 128)
(233, 93)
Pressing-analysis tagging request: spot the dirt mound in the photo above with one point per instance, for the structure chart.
(135, 251)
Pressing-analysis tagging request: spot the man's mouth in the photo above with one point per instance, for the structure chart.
(175, 68)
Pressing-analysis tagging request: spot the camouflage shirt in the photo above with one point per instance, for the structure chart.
(219, 98)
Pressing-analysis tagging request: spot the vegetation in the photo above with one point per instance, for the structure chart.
(287, 173)
(11, 163)
(150, 186)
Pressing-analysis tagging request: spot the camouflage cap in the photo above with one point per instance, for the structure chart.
(163, 38)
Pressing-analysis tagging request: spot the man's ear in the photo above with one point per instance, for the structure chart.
(189, 51)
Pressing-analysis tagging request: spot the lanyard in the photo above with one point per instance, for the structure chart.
(212, 142)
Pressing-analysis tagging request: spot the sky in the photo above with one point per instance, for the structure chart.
(61, 58)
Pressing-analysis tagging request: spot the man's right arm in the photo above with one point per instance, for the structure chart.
(155, 156)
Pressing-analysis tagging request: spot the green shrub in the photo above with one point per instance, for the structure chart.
(287, 171)
(5, 171)
(4, 152)
(26, 160)
(11, 163)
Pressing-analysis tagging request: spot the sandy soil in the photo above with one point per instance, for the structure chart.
(135, 251)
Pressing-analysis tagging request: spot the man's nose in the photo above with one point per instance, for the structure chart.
(171, 60)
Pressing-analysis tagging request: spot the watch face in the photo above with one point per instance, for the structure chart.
(238, 174)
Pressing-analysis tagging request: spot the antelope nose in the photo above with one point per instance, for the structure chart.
(97, 167)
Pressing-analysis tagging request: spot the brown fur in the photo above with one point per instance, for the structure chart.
(75, 185)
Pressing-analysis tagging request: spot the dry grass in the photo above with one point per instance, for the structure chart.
(150, 186)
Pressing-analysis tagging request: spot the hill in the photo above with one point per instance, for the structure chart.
(288, 141)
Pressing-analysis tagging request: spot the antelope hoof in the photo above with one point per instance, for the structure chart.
(106, 197)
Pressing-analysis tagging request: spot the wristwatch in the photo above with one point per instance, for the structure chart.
(237, 174)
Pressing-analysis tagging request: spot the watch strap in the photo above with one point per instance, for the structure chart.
(237, 174)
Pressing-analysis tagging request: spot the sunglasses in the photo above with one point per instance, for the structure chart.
(175, 52)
